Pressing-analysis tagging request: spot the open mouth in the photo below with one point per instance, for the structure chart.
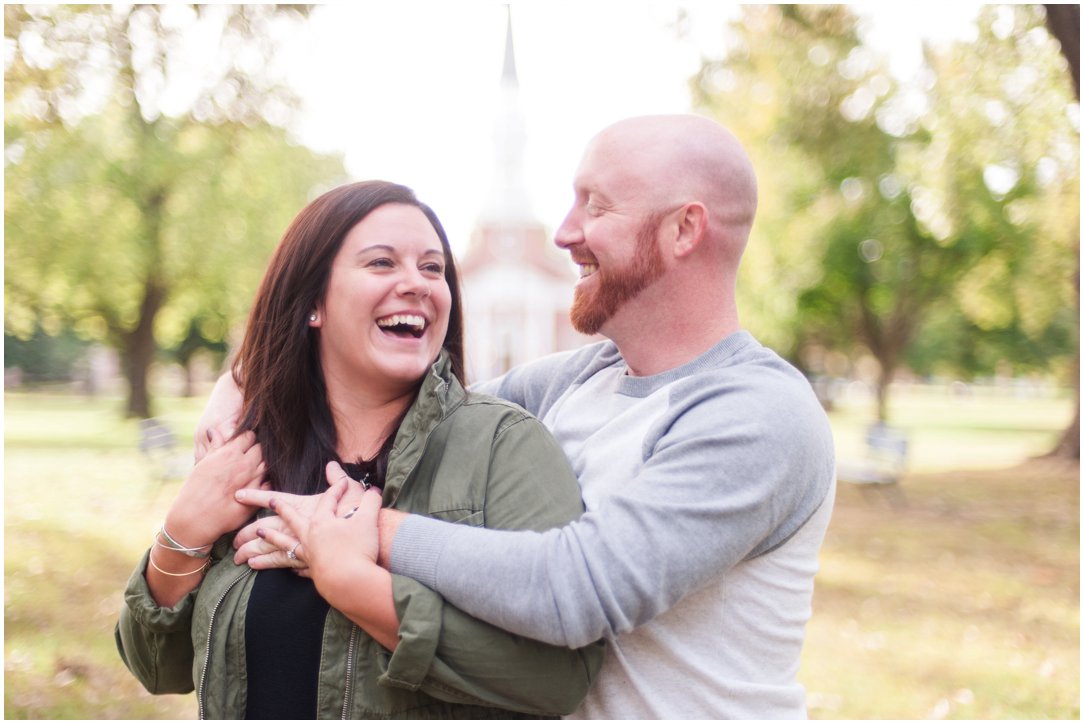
(587, 270)
(403, 325)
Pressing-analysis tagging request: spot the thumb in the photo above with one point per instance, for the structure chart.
(329, 501)
(336, 475)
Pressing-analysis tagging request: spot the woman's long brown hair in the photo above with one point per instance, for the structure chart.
(278, 364)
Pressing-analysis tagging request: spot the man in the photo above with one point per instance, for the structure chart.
(706, 463)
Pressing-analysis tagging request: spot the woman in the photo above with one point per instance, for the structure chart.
(353, 355)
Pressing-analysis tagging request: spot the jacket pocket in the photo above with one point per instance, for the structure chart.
(463, 516)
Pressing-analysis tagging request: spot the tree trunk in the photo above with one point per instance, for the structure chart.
(139, 349)
(884, 379)
(1063, 21)
(189, 378)
(1068, 446)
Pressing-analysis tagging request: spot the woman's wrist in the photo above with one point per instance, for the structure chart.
(163, 539)
(175, 564)
(179, 534)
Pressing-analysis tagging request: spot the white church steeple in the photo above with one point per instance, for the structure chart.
(508, 198)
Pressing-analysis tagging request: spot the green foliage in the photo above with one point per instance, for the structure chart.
(80, 248)
(44, 358)
(947, 206)
(130, 218)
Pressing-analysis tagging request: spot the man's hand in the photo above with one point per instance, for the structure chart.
(221, 415)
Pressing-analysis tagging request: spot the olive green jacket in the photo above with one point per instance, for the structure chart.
(470, 459)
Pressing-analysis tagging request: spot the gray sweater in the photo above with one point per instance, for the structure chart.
(708, 489)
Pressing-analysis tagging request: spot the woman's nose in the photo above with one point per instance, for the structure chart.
(414, 283)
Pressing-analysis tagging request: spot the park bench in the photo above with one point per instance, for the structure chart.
(883, 464)
(158, 443)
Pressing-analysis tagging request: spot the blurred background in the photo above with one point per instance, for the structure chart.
(916, 255)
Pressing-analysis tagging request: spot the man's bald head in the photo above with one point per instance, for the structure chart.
(676, 159)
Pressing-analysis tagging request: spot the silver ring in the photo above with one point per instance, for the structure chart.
(290, 553)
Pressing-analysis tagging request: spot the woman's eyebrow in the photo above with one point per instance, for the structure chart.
(389, 249)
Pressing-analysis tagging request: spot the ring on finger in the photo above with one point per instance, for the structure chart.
(292, 553)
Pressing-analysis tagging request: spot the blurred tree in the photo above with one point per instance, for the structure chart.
(147, 172)
(44, 358)
(1006, 100)
(1064, 24)
(884, 204)
(194, 342)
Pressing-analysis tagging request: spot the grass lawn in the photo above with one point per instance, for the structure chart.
(960, 601)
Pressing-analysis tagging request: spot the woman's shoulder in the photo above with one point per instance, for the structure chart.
(484, 416)
(496, 409)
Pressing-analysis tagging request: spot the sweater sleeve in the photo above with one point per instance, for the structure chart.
(453, 656)
(720, 482)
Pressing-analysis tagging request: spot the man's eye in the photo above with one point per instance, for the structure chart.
(593, 209)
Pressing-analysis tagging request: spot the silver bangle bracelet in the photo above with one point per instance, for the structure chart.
(173, 545)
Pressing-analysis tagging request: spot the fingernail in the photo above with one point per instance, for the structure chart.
(272, 503)
(259, 532)
(240, 494)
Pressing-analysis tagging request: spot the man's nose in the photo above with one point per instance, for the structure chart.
(569, 232)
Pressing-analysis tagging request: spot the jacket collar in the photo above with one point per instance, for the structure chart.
(440, 393)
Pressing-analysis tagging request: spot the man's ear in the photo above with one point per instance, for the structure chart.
(692, 225)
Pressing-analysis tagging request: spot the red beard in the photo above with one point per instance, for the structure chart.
(590, 310)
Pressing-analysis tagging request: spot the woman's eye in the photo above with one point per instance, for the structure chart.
(433, 269)
(380, 262)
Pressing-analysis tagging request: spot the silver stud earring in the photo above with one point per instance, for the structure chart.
(312, 317)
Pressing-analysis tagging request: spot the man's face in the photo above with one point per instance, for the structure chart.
(611, 232)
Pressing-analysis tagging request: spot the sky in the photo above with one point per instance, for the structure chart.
(408, 91)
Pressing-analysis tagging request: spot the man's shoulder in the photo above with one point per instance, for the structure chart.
(738, 362)
(571, 364)
(536, 385)
(744, 380)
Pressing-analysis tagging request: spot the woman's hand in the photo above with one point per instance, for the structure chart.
(220, 416)
(205, 507)
(261, 554)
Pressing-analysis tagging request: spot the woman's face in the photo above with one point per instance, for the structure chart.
(384, 318)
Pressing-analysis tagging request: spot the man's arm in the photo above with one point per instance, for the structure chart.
(714, 491)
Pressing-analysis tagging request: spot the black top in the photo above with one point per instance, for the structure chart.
(284, 630)
(365, 471)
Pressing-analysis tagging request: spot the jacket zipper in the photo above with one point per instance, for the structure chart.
(210, 629)
(349, 671)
